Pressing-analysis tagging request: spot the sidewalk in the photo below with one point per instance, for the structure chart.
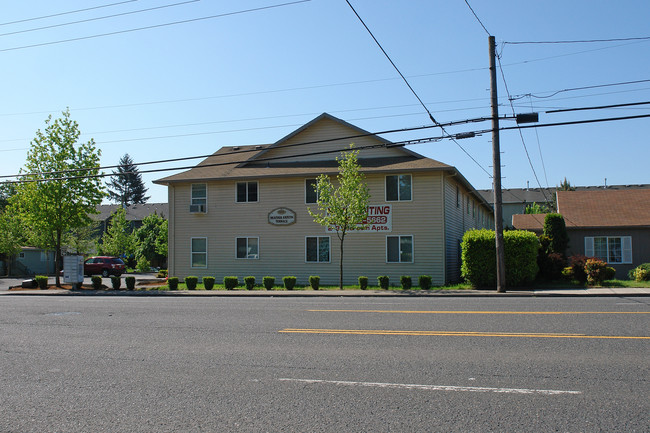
(587, 292)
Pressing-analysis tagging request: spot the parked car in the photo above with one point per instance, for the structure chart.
(104, 266)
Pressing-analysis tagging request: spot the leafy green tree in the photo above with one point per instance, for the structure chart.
(126, 186)
(119, 239)
(12, 235)
(82, 240)
(149, 238)
(61, 185)
(7, 190)
(344, 207)
(535, 208)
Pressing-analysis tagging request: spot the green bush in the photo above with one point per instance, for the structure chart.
(191, 281)
(116, 282)
(208, 283)
(640, 273)
(143, 265)
(383, 281)
(577, 265)
(424, 282)
(314, 282)
(289, 282)
(609, 273)
(130, 282)
(173, 283)
(479, 257)
(97, 282)
(550, 265)
(41, 281)
(406, 282)
(162, 273)
(230, 282)
(363, 283)
(268, 282)
(555, 229)
(250, 282)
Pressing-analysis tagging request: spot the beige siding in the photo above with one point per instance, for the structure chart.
(324, 130)
(282, 248)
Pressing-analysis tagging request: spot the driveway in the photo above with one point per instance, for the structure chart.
(7, 282)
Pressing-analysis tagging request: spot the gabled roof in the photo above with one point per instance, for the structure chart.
(607, 208)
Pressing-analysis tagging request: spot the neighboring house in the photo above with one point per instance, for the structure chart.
(33, 261)
(243, 211)
(515, 200)
(611, 224)
(135, 213)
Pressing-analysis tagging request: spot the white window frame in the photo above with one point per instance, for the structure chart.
(307, 188)
(247, 241)
(626, 248)
(398, 176)
(257, 187)
(199, 200)
(318, 241)
(192, 252)
(399, 240)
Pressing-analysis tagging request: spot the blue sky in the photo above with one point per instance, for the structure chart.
(252, 77)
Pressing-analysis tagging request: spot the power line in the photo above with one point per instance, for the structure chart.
(596, 86)
(598, 107)
(155, 26)
(477, 18)
(584, 41)
(66, 13)
(411, 88)
(97, 18)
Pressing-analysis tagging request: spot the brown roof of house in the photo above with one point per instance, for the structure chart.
(595, 209)
(605, 208)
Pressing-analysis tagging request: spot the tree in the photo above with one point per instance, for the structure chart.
(12, 236)
(555, 229)
(342, 208)
(535, 208)
(150, 241)
(81, 240)
(126, 186)
(61, 187)
(119, 239)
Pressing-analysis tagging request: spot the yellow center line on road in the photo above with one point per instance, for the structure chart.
(477, 312)
(456, 333)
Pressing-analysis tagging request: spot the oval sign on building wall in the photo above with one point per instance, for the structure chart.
(282, 217)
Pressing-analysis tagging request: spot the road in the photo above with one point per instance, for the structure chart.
(116, 364)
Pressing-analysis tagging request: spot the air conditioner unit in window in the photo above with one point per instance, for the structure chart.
(197, 208)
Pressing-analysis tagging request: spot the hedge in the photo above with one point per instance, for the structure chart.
(479, 257)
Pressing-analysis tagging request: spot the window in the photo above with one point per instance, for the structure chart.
(199, 252)
(398, 188)
(612, 249)
(399, 249)
(246, 192)
(311, 195)
(317, 249)
(248, 248)
(199, 194)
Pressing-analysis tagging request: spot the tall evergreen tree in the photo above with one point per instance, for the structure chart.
(126, 186)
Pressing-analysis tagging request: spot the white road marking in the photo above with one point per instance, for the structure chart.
(435, 387)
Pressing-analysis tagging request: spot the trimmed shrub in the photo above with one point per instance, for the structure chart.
(250, 282)
(555, 229)
(268, 282)
(41, 281)
(173, 283)
(595, 271)
(191, 281)
(424, 282)
(479, 257)
(130, 282)
(208, 283)
(162, 273)
(97, 282)
(314, 282)
(640, 273)
(406, 282)
(383, 281)
(143, 265)
(289, 282)
(363, 283)
(116, 282)
(550, 265)
(609, 273)
(230, 282)
(577, 265)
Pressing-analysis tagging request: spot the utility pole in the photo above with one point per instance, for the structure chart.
(496, 170)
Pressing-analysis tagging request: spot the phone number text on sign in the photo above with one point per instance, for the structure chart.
(379, 219)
